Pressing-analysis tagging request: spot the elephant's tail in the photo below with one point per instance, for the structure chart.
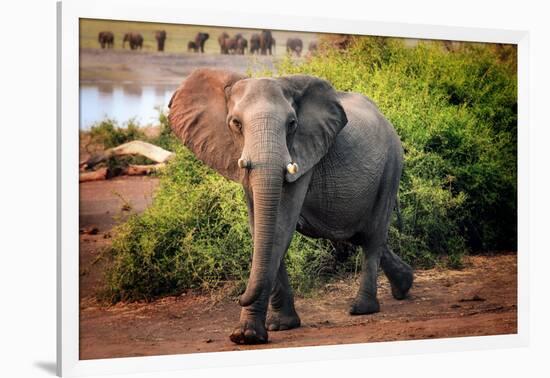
(399, 217)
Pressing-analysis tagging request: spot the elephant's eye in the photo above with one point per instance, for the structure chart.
(292, 124)
(235, 124)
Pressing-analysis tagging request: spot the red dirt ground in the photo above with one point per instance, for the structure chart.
(479, 299)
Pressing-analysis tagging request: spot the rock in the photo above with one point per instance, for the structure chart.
(475, 298)
(92, 230)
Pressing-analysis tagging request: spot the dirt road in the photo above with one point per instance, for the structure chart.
(477, 300)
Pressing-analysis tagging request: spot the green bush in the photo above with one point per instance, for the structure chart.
(456, 113)
(108, 134)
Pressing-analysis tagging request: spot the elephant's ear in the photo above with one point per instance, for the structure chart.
(320, 119)
(198, 116)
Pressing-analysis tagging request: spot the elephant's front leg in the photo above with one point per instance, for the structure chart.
(252, 325)
(253, 322)
(251, 329)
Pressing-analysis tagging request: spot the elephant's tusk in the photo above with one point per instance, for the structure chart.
(243, 163)
(292, 168)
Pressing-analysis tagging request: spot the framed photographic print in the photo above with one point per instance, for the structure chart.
(239, 189)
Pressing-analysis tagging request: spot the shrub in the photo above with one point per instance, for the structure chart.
(108, 134)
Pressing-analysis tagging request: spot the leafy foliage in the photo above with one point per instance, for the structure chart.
(108, 134)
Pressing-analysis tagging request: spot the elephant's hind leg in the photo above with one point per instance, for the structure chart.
(399, 273)
(283, 315)
(365, 301)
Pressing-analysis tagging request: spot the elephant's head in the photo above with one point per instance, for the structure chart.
(260, 132)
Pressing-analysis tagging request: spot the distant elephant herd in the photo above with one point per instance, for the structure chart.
(106, 39)
(260, 43)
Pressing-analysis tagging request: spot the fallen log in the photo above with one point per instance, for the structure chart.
(135, 147)
(140, 170)
(155, 153)
(100, 174)
(131, 170)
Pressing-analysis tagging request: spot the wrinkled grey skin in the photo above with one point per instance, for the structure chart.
(350, 162)
(294, 46)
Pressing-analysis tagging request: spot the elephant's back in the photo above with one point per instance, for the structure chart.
(366, 120)
(346, 184)
(364, 146)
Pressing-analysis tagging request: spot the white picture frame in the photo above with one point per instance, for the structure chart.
(69, 13)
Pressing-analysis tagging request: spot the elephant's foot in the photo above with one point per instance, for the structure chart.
(399, 273)
(364, 306)
(249, 332)
(278, 321)
(400, 287)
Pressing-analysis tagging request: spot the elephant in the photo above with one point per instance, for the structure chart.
(221, 42)
(160, 36)
(135, 40)
(106, 39)
(254, 43)
(200, 40)
(294, 45)
(324, 163)
(230, 45)
(241, 44)
(192, 46)
(266, 42)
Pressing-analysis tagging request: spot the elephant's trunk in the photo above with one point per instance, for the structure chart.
(266, 180)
